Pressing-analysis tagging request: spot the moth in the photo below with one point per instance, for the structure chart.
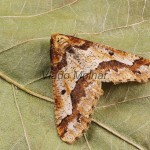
(76, 96)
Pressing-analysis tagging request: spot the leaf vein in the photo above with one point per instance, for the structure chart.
(23, 88)
(125, 101)
(118, 135)
(113, 29)
(87, 141)
(20, 115)
(43, 13)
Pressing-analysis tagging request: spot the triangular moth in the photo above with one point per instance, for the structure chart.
(76, 96)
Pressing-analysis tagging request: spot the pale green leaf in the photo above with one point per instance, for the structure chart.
(122, 116)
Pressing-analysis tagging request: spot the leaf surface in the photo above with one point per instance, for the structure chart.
(122, 116)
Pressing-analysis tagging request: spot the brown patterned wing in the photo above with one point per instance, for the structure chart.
(75, 97)
(123, 67)
(76, 66)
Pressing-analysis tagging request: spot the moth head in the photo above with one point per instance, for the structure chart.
(59, 43)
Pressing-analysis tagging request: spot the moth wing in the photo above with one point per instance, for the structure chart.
(122, 66)
(75, 94)
(78, 67)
